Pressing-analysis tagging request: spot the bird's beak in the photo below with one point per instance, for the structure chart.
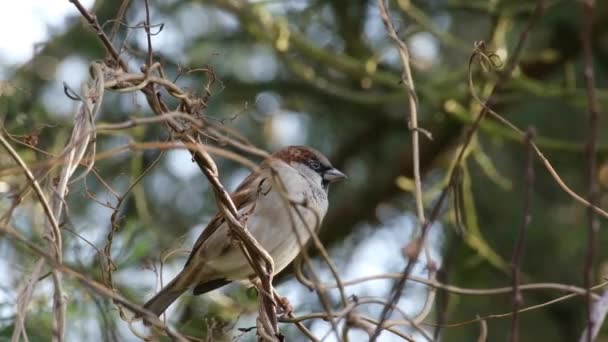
(333, 175)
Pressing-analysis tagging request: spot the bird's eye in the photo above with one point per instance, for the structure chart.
(315, 165)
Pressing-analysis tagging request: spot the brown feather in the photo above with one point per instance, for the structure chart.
(300, 154)
(244, 194)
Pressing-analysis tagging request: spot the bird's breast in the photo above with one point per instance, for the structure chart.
(283, 225)
(281, 221)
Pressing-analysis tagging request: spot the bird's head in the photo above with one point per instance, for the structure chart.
(311, 163)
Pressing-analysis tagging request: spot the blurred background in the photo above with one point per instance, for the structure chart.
(321, 73)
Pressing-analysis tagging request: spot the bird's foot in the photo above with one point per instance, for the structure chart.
(284, 308)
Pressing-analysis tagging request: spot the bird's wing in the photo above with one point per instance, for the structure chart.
(246, 193)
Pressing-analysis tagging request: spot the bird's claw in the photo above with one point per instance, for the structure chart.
(284, 308)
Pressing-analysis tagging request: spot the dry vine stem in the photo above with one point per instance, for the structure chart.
(510, 66)
(94, 286)
(518, 250)
(593, 232)
(521, 310)
(408, 82)
(25, 295)
(461, 290)
(294, 206)
(73, 153)
(258, 258)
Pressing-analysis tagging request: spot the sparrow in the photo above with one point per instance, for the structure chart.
(295, 174)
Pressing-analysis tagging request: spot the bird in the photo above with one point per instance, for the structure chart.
(264, 199)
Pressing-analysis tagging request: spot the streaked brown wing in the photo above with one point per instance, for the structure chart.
(244, 194)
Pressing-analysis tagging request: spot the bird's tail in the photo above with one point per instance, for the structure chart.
(165, 297)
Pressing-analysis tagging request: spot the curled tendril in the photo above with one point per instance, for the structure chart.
(159, 26)
(70, 93)
(487, 60)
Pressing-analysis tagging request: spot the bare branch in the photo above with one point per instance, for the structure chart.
(592, 143)
(518, 251)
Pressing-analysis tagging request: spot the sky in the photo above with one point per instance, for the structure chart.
(34, 20)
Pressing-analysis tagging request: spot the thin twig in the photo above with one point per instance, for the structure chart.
(122, 10)
(148, 36)
(397, 289)
(483, 330)
(55, 244)
(594, 117)
(526, 309)
(92, 284)
(521, 236)
(34, 183)
(462, 290)
(408, 82)
(295, 206)
(92, 20)
(599, 311)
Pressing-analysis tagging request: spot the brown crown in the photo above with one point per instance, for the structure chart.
(300, 154)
